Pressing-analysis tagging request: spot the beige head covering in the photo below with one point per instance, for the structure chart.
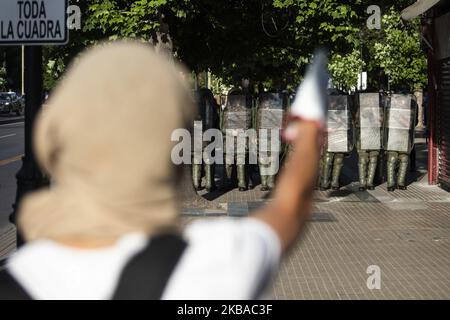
(104, 138)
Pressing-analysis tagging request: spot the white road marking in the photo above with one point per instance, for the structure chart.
(11, 124)
(8, 135)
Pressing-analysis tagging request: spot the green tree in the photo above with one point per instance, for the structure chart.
(398, 53)
(344, 69)
(267, 41)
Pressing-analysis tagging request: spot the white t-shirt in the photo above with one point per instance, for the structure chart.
(224, 259)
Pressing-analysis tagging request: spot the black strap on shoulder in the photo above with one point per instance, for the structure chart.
(147, 273)
(144, 277)
(10, 289)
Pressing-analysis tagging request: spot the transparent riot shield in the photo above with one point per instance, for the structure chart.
(270, 115)
(400, 123)
(237, 113)
(339, 125)
(270, 100)
(369, 121)
(237, 119)
(269, 122)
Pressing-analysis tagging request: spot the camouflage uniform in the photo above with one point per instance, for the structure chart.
(339, 139)
(400, 121)
(369, 136)
(209, 117)
(236, 119)
(269, 118)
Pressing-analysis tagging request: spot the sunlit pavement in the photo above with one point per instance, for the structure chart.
(405, 235)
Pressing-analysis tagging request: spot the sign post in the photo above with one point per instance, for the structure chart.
(32, 23)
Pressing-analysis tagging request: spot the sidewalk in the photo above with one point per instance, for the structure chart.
(408, 239)
(7, 196)
(405, 233)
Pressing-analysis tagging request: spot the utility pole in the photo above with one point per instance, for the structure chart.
(23, 70)
(29, 176)
(362, 59)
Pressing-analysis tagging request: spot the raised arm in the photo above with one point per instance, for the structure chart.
(292, 200)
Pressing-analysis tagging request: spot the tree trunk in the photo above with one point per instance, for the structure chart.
(419, 95)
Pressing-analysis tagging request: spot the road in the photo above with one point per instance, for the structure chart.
(11, 150)
(11, 141)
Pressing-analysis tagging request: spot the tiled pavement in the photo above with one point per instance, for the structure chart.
(405, 233)
(7, 243)
(410, 244)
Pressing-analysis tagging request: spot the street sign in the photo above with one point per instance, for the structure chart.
(33, 22)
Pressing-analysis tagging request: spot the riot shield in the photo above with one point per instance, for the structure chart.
(207, 109)
(271, 108)
(237, 119)
(269, 122)
(400, 123)
(237, 113)
(339, 125)
(369, 121)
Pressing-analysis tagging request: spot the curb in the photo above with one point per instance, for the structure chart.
(202, 212)
(11, 120)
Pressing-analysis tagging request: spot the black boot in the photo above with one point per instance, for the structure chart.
(326, 171)
(373, 161)
(264, 183)
(402, 170)
(362, 170)
(336, 173)
(242, 177)
(210, 184)
(391, 163)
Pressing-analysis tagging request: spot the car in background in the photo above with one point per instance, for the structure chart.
(11, 102)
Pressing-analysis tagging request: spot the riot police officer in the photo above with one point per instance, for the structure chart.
(269, 120)
(339, 138)
(208, 117)
(236, 120)
(369, 136)
(400, 121)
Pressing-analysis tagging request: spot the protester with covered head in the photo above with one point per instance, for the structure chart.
(108, 226)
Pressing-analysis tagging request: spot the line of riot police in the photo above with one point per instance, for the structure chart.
(378, 124)
(240, 113)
